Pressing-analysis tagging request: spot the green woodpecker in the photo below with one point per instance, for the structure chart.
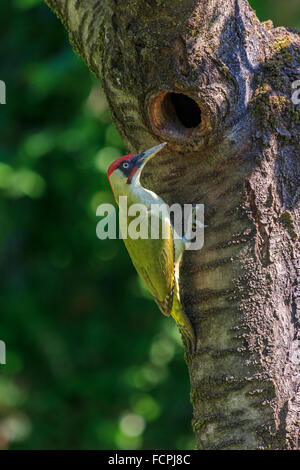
(157, 261)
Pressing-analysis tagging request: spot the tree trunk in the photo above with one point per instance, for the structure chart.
(216, 84)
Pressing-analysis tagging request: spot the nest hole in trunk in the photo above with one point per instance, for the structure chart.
(186, 110)
(175, 115)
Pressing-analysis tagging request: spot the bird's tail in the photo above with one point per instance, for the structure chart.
(183, 323)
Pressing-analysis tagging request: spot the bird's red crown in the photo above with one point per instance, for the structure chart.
(117, 162)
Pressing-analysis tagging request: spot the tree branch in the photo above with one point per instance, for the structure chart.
(160, 64)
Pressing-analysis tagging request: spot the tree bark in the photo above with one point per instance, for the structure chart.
(216, 84)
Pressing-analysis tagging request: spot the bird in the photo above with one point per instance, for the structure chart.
(157, 261)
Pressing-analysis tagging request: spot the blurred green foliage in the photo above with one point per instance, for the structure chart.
(91, 363)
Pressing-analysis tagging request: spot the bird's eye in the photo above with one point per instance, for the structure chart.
(125, 165)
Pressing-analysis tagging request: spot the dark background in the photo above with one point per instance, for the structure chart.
(91, 363)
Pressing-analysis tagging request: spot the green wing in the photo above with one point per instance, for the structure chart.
(154, 262)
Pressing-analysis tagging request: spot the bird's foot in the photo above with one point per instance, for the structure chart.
(195, 218)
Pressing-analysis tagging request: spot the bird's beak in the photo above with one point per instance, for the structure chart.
(142, 158)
